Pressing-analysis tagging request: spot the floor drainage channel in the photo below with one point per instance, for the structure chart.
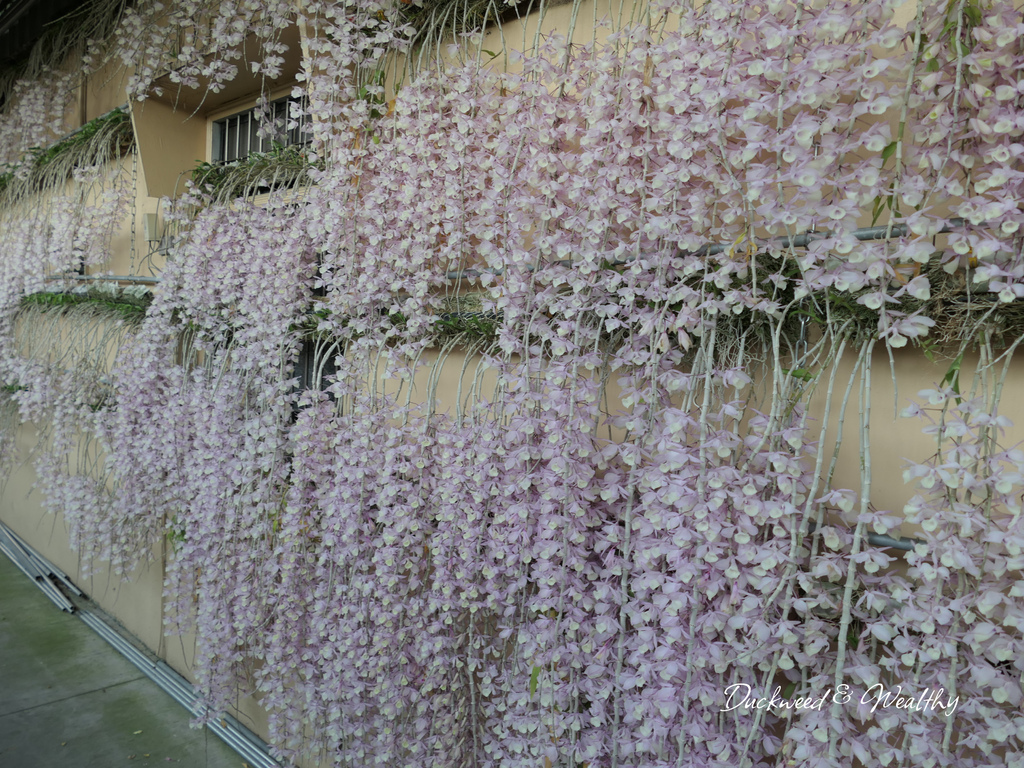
(51, 580)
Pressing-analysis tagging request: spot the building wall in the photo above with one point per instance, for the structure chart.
(173, 132)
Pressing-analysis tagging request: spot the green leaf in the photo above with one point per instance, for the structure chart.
(928, 347)
(889, 151)
(799, 373)
(952, 377)
(876, 211)
(534, 677)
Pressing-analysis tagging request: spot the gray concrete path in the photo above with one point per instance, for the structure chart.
(69, 700)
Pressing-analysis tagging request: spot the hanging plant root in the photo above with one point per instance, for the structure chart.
(99, 141)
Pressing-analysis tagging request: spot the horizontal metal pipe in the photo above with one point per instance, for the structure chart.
(54, 595)
(248, 745)
(786, 241)
(20, 555)
(252, 754)
(233, 733)
(107, 278)
(19, 564)
(883, 539)
(43, 563)
(863, 234)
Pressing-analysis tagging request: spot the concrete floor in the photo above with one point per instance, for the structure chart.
(69, 700)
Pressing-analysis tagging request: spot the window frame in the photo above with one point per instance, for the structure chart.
(218, 132)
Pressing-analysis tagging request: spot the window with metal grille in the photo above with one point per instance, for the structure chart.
(315, 368)
(237, 136)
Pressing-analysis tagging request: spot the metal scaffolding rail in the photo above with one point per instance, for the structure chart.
(864, 234)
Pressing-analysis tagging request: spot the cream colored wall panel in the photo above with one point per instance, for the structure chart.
(170, 144)
(135, 602)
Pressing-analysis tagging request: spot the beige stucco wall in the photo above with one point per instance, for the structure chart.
(894, 440)
(172, 140)
(135, 602)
